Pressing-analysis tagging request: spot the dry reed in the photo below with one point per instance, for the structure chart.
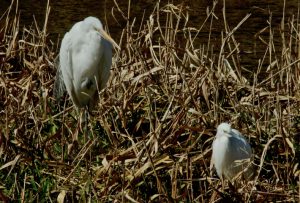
(151, 135)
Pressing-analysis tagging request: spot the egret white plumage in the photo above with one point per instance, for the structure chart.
(85, 59)
(231, 153)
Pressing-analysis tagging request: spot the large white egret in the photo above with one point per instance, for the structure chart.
(231, 153)
(85, 59)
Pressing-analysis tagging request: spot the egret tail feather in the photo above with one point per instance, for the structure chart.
(59, 85)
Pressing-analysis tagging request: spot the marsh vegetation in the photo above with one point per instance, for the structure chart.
(150, 137)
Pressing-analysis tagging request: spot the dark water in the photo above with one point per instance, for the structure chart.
(64, 13)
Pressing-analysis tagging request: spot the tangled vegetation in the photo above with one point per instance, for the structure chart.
(150, 137)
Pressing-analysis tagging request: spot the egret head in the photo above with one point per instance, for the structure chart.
(95, 24)
(223, 128)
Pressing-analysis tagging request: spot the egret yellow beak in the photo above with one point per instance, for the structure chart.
(108, 38)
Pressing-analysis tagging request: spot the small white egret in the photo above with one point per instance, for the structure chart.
(231, 153)
(85, 59)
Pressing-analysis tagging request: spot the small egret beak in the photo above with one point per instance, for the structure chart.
(108, 38)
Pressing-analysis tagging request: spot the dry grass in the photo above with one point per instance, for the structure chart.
(150, 137)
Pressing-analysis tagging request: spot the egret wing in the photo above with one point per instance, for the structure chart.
(241, 145)
(240, 157)
(65, 61)
(59, 85)
(239, 148)
(219, 155)
(106, 62)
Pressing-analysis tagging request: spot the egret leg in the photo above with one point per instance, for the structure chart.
(222, 182)
(86, 119)
(86, 136)
(83, 120)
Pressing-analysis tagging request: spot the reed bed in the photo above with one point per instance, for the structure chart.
(150, 136)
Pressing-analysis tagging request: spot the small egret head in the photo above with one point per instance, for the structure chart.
(223, 128)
